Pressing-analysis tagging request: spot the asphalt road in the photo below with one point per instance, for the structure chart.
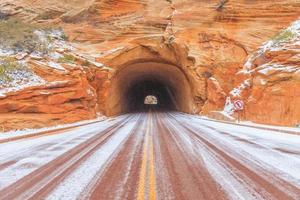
(153, 155)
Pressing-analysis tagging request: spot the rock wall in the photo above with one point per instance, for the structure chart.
(66, 97)
(273, 73)
(210, 41)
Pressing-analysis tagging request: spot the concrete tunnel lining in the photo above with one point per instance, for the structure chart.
(170, 76)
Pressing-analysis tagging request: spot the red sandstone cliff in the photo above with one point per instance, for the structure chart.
(217, 46)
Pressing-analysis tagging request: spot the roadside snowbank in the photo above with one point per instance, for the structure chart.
(296, 130)
(27, 132)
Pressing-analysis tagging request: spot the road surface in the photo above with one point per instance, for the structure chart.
(153, 155)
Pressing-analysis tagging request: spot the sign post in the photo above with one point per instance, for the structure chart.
(238, 106)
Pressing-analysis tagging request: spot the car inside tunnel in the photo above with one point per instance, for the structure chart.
(131, 84)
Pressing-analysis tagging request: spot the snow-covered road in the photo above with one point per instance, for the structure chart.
(153, 156)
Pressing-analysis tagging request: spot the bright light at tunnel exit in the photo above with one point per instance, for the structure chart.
(151, 100)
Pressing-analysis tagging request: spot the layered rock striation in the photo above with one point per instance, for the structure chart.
(209, 53)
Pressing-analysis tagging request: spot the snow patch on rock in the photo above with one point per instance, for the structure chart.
(56, 66)
(5, 52)
(19, 79)
(268, 68)
(111, 51)
(236, 92)
(229, 107)
(26, 80)
(285, 40)
(273, 45)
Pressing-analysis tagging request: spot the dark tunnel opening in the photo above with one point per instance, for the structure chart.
(137, 93)
(132, 83)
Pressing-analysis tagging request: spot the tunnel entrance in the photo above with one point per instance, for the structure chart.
(133, 82)
(153, 89)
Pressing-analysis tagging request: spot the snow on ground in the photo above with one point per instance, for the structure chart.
(249, 123)
(228, 107)
(235, 187)
(29, 155)
(279, 128)
(265, 152)
(229, 152)
(74, 185)
(22, 77)
(56, 66)
(226, 115)
(278, 152)
(12, 134)
(20, 80)
(5, 52)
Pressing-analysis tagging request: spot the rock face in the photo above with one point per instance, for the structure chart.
(66, 97)
(209, 52)
(274, 76)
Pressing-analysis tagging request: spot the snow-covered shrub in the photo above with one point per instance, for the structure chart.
(284, 36)
(67, 59)
(15, 75)
(20, 36)
(7, 66)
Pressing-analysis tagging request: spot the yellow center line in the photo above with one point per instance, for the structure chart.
(142, 178)
(147, 165)
(152, 191)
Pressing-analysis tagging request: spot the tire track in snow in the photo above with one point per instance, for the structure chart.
(266, 184)
(44, 179)
(75, 184)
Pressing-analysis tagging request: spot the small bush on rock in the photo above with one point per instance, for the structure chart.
(65, 37)
(86, 63)
(67, 59)
(8, 65)
(20, 36)
(284, 36)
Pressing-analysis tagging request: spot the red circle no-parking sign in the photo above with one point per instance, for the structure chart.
(238, 105)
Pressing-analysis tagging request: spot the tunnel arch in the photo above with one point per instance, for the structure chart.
(166, 81)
